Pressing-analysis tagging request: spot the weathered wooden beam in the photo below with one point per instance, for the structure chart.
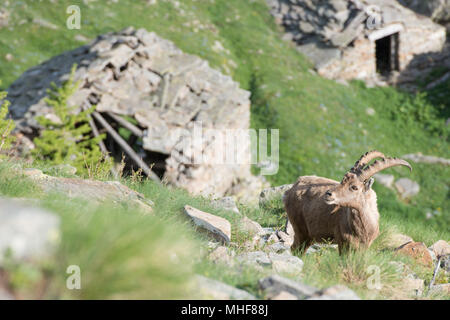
(101, 144)
(128, 150)
(127, 125)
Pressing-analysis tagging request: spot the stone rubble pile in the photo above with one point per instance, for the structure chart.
(168, 93)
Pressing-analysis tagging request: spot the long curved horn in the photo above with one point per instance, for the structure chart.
(382, 164)
(365, 159)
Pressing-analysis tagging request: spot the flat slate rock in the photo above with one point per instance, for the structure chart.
(91, 189)
(217, 227)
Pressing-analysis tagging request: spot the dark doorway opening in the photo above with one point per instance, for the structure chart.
(386, 52)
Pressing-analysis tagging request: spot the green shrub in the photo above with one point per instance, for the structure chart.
(67, 138)
(6, 125)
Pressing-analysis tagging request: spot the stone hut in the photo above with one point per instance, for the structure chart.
(160, 93)
(357, 39)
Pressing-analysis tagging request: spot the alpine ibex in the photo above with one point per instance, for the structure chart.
(322, 209)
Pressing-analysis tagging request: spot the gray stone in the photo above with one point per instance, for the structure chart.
(279, 247)
(440, 289)
(285, 263)
(4, 17)
(91, 189)
(319, 54)
(311, 250)
(212, 289)
(138, 74)
(5, 295)
(397, 240)
(268, 231)
(273, 193)
(217, 227)
(254, 258)
(251, 227)
(289, 229)
(339, 36)
(273, 238)
(419, 158)
(287, 239)
(445, 264)
(385, 179)
(438, 10)
(44, 23)
(27, 233)
(226, 203)
(220, 255)
(276, 284)
(407, 188)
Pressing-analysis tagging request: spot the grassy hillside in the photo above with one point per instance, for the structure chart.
(324, 126)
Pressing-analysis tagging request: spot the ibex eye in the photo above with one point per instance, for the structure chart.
(354, 188)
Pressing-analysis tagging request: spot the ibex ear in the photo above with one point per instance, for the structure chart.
(368, 184)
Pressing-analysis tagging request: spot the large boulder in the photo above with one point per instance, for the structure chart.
(438, 10)
(212, 289)
(217, 227)
(180, 104)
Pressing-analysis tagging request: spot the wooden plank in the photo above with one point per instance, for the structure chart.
(128, 150)
(127, 125)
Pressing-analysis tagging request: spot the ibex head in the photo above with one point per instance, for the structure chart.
(358, 181)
